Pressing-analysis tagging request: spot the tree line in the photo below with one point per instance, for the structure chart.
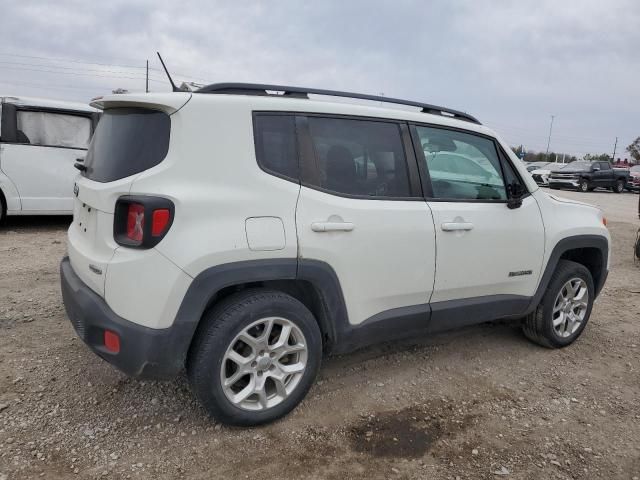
(531, 156)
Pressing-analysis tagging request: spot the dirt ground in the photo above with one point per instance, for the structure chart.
(481, 402)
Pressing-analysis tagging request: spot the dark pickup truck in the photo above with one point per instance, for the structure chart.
(585, 176)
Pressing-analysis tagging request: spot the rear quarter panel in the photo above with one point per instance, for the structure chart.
(212, 176)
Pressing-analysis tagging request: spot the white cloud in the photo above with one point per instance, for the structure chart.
(512, 64)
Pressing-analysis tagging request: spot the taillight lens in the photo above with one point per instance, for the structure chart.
(142, 221)
(135, 222)
(160, 221)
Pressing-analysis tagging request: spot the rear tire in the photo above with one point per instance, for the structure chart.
(557, 321)
(255, 357)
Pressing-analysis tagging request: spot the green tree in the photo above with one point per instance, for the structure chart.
(634, 150)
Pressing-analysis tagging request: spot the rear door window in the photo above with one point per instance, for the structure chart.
(127, 141)
(360, 158)
(53, 129)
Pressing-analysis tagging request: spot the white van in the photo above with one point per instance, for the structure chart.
(40, 141)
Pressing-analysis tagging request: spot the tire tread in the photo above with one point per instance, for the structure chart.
(534, 325)
(215, 323)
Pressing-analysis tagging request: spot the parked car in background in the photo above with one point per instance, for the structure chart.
(531, 166)
(541, 174)
(40, 141)
(586, 176)
(634, 178)
(243, 234)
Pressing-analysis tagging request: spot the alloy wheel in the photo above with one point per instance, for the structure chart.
(570, 307)
(264, 364)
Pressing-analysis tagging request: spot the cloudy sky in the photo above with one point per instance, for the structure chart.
(511, 64)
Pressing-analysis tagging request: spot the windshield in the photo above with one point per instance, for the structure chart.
(635, 169)
(127, 141)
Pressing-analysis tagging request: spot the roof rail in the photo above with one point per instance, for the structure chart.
(300, 92)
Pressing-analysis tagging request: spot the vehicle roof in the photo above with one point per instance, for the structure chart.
(304, 92)
(173, 101)
(46, 103)
(312, 104)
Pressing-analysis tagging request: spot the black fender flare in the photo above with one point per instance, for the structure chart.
(564, 245)
(206, 285)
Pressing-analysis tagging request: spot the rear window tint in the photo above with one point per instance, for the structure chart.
(359, 157)
(275, 138)
(127, 141)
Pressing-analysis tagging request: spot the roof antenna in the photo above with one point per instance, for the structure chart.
(173, 85)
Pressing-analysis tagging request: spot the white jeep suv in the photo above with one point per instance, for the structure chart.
(243, 231)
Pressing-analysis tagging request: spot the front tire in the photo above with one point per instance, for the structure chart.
(565, 307)
(255, 357)
(583, 186)
(619, 186)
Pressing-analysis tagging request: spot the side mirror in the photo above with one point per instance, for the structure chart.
(515, 192)
(595, 168)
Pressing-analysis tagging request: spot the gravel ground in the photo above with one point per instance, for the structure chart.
(481, 402)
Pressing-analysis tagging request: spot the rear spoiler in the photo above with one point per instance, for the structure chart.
(165, 102)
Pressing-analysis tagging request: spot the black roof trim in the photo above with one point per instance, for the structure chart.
(300, 92)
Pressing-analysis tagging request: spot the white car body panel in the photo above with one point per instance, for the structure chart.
(35, 179)
(43, 176)
(478, 262)
(397, 254)
(565, 218)
(387, 261)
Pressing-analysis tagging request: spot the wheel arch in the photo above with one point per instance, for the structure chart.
(313, 283)
(592, 251)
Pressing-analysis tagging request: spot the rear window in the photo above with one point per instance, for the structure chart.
(127, 141)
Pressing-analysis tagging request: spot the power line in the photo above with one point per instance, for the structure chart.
(81, 74)
(39, 65)
(43, 85)
(100, 64)
(75, 61)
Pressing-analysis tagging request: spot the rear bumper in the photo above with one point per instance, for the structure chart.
(144, 352)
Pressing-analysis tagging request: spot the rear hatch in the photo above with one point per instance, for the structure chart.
(132, 136)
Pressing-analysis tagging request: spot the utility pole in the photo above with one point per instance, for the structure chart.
(613, 157)
(550, 129)
(147, 83)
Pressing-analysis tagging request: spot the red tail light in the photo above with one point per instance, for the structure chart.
(160, 221)
(141, 221)
(135, 222)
